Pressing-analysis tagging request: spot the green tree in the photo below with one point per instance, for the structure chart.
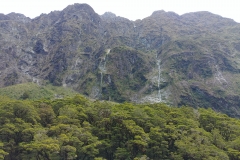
(2, 152)
(42, 147)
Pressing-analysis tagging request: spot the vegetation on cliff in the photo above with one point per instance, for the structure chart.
(191, 59)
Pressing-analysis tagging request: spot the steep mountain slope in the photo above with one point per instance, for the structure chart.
(193, 59)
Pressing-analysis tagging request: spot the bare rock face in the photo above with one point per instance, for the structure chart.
(191, 59)
(108, 15)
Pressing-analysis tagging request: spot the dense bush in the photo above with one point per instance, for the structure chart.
(78, 128)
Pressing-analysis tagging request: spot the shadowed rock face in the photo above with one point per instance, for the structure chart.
(195, 57)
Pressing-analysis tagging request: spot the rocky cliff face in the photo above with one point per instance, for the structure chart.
(193, 59)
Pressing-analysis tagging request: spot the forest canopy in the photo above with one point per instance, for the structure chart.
(78, 128)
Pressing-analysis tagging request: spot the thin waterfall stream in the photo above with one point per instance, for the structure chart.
(102, 66)
(159, 96)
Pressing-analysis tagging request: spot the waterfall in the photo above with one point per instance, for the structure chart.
(216, 71)
(101, 79)
(102, 66)
(159, 96)
(219, 76)
(156, 95)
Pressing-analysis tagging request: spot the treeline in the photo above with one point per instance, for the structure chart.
(80, 129)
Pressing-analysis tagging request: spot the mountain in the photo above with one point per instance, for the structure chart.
(192, 59)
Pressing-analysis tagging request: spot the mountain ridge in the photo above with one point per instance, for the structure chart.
(191, 59)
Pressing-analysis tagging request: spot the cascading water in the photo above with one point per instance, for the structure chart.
(217, 73)
(102, 66)
(156, 97)
(159, 71)
(102, 69)
(159, 80)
